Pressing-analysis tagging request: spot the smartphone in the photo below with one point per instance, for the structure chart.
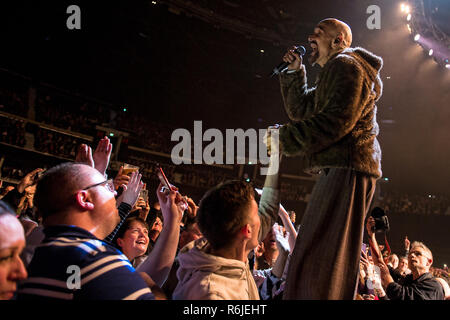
(364, 248)
(162, 177)
(144, 195)
(258, 191)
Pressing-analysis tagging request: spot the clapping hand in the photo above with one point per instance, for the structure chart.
(84, 155)
(99, 159)
(102, 154)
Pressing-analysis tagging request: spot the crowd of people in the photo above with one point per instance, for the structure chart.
(12, 132)
(165, 249)
(113, 243)
(56, 143)
(416, 204)
(409, 275)
(12, 101)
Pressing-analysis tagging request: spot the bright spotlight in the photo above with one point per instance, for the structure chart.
(417, 37)
(407, 9)
(447, 66)
(408, 18)
(403, 7)
(430, 53)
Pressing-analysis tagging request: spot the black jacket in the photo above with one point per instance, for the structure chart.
(423, 288)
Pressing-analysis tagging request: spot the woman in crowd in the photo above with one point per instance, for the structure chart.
(12, 242)
(132, 239)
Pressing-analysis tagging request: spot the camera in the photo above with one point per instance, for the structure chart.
(381, 220)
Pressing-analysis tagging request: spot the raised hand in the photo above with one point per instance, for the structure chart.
(370, 225)
(259, 250)
(121, 179)
(293, 58)
(84, 155)
(192, 207)
(102, 154)
(407, 243)
(168, 200)
(267, 139)
(281, 240)
(28, 180)
(132, 190)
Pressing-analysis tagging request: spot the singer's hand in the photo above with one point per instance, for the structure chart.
(294, 59)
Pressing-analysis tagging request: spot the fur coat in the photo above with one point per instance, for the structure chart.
(334, 124)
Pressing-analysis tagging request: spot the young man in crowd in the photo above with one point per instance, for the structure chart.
(216, 267)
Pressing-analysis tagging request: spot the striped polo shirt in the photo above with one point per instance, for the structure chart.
(72, 264)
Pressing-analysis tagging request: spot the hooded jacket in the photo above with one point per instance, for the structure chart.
(203, 276)
(334, 124)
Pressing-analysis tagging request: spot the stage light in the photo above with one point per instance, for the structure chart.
(417, 37)
(408, 18)
(430, 53)
(407, 9)
(403, 7)
(447, 66)
(409, 28)
(124, 109)
(262, 51)
(248, 180)
(154, 2)
(111, 134)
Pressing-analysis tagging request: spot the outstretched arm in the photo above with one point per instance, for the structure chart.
(160, 260)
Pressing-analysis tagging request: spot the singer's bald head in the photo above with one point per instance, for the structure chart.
(334, 27)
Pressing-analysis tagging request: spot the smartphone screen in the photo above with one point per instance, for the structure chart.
(162, 177)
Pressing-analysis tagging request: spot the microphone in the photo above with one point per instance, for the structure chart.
(283, 66)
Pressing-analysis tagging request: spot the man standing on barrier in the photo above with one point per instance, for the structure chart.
(333, 127)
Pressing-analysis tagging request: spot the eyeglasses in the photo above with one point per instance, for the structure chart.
(108, 183)
(418, 254)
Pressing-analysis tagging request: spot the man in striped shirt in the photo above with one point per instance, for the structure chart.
(79, 208)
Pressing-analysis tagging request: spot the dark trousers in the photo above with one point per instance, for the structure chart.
(325, 262)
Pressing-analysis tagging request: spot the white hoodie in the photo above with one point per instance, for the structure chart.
(202, 276)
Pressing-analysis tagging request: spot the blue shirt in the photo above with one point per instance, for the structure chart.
(69, 256)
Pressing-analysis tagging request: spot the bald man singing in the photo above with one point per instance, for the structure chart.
(333, 128)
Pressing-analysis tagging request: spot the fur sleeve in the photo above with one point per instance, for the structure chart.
(297, 98)
(342, 95)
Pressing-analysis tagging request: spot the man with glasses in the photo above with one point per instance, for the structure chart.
(79, 209)
(420, 284)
